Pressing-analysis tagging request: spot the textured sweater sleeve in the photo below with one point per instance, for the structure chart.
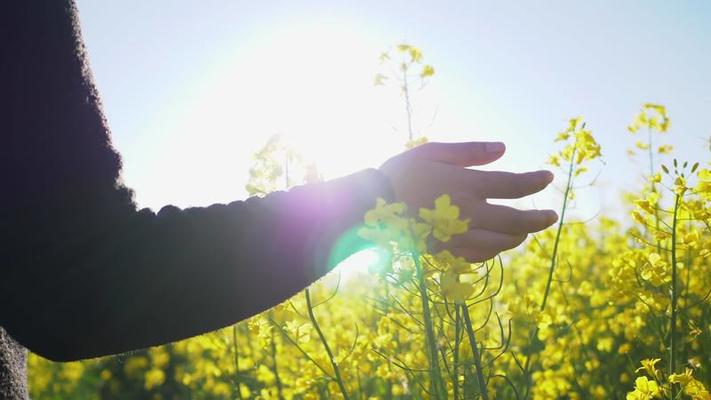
(83, 272)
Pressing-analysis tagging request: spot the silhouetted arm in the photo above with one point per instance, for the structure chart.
(82, 272)
(149, 279)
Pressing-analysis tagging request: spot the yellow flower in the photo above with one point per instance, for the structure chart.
(427, 71)
(652, 116)
(385, 224)
(153, 378)
(649, 365)
(680, 185)
(682, 379)
(703, 186)
(416, 142)
(665, 149)
(691, 386)
(580, 144)
(453, 289)
(644, 389)
(449, 262)
(625, 348)
(562, 136)
(444, 219)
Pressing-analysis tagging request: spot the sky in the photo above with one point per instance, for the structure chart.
(192, 89)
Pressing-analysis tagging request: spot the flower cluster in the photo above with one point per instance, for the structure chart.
(653, 117)
(580, 145)
(389, 226)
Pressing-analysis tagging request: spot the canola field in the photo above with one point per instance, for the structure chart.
(596, 309)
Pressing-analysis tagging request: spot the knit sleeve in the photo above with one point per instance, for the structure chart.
(153, 278)
(83, 272)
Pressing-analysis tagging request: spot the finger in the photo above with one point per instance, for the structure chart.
(479, 244)
(483, 239)
(510, 220)
(463, 154)
(507, 185)
(475, 255)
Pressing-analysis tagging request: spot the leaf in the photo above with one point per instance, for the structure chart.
(379, 80)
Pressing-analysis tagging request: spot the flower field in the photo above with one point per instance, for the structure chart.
(598, 309)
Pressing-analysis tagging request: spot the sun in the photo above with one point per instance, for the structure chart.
(310, 82)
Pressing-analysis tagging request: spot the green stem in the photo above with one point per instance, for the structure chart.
(360, 386)
(437, 382)
(236, 359)
(386, 302)
(408, 106)
(654, 186)
(554, 256)
(457, 335)
(277, 378)
(301, 349)
(551, 268)
(331, 358)
(674, 298)
(651, 153)
(475, 352)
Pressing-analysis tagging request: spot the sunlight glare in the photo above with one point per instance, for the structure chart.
(312, 84)
(362, 263)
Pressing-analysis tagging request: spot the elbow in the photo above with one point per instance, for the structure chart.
(59, 350)
(48, 343)
(56, 353)
(55, 339)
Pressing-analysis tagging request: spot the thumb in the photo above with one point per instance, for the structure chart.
(463, 154)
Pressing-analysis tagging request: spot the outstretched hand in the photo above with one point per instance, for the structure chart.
(422, 174)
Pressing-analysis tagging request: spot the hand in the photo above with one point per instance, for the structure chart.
(422, 174)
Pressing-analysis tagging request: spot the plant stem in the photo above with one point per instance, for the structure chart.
(236, 359)
(651, 154)
(475, 351)
(334, 364)
(551, 268)
(408, 106)
(437, 382)
(386, 302)
(455, 367)
(554, 256)
(277, 378)
(301, 350)
(674, 298)
(654, 186)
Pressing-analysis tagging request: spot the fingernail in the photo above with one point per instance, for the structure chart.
(549, 176)
(495, 147)
(552, 216)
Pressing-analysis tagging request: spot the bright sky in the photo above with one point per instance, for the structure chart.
(192, 89)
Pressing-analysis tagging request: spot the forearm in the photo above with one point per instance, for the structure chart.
(160, 278)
